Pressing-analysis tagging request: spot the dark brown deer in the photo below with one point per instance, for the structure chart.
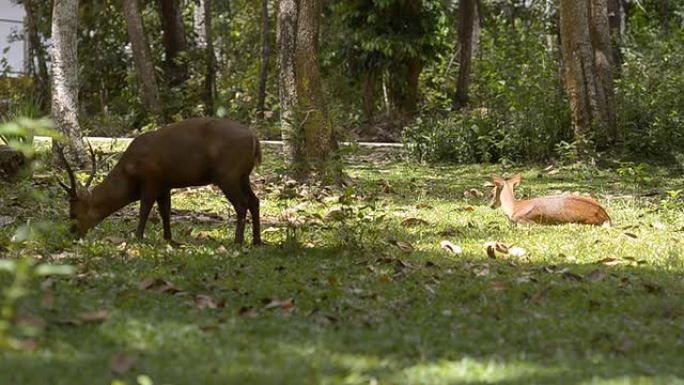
(193, 152)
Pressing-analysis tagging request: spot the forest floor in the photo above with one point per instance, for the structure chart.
(353, 287)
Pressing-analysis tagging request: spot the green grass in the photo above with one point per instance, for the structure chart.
(365, 312)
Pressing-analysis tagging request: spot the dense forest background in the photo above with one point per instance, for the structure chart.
(390, 72)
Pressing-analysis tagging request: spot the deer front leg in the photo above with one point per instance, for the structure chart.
(164, 206)
(146, 202)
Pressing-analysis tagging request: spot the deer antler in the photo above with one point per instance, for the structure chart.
(93, 165)
(71, 190)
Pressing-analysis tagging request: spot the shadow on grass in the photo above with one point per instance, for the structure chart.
(419, 318)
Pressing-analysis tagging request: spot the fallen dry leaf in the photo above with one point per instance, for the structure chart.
(248, 311)
(497, 286)
(540, 294)
(609, 261)
(482, 272)
(203, 301)
(596, 275)
(652, 288)
(335, 215)
(501, 248)
(516, 251)
(95, 316)
(286, 305)
(631, 235)
(473, 193)
(158, 285)
(659, 226)
(450, 247)
(569, 275)
(412, 222)
(403, 246)
(121, 363)
(114, 240)
(6, 221)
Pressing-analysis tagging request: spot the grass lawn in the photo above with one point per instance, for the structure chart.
(353, 287)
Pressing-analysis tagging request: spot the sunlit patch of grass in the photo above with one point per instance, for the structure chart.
(333, 298)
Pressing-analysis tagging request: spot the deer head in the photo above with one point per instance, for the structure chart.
(80, 203)
(498, 185)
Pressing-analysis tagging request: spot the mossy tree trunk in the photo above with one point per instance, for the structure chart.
(306, 129)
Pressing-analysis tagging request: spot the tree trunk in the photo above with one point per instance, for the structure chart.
(616, 20)
(368, 81)
(37, 51)
(287, 42)
(467, 19)
(603, 61)
(65, 77)
(317, 128)
(585, 46)
(478, 19)
(174, 41)
(665, 16)
(307, 131)
(142, 58)
(205, 39)
(265, 58)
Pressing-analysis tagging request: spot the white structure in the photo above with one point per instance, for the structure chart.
(13, 46)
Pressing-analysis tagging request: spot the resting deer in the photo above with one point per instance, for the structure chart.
(193, 152)
(546, 210)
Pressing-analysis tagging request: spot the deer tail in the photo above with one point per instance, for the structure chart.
(257, 152)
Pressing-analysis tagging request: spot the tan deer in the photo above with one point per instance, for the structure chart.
(546, 210)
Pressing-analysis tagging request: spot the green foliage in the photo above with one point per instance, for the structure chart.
(519, 111)
(649, 93)
(19, 134)
(354, 225)
(23, 271)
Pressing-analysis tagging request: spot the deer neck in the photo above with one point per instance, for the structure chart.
(110, 196)
(508, 201)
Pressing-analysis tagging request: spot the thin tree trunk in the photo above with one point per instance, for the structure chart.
(316, 126)
(174, 41)
(603, 62)
(580, 76)
(616, 19)
(37, 51)
(368, 81)
(665, 16)
(477, 30)
(142, 58)
(65, 77)
(467, 15)
(265, 58)
(287, 43)
(205, 39)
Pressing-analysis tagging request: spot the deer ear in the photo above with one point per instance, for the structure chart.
(497, 180)
(515, 180)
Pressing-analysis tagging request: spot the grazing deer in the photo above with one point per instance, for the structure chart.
(193, 152)
(546, 210)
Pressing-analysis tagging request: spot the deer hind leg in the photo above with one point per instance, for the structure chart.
(147, 198)
(231, 189)
(253, 206)
(164, 206)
